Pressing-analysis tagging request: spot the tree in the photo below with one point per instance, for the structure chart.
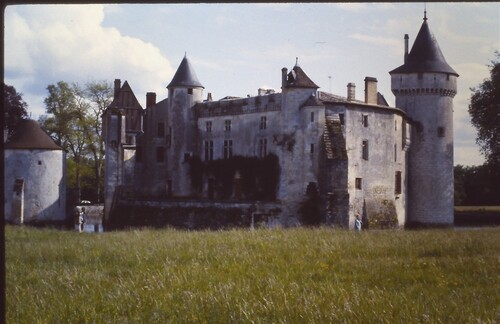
(100, 96)
(484, 109)
(64, 124)
(74, 121)
(15, 108)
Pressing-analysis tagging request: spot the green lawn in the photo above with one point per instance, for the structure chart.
(262, 276)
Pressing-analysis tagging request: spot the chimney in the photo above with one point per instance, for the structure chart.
(117, 87)
(371, 90)
(209, 96)
(150, 99)
(284, 72)
(351, 91)
(406, 47)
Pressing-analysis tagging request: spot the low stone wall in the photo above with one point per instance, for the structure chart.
(94, 213)
(192, 214)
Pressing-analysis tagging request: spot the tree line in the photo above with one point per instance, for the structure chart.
(73, 120)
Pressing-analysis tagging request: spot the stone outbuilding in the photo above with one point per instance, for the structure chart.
(34, 177)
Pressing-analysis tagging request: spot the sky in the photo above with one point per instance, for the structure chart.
(238, 48)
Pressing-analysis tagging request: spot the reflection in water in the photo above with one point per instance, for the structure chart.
(89, 228)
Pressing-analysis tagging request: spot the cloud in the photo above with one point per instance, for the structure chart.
(46, 44)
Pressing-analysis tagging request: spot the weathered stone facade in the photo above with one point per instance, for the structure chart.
(34, 177)
(357, 153)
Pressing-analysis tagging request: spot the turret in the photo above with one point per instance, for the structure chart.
(424, 87)
(184, 91)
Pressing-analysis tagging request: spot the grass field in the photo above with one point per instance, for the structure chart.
(262, 276)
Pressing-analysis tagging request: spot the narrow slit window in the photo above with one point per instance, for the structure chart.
(359, 183)
(398, 184)
(365, 120)
(365, 150)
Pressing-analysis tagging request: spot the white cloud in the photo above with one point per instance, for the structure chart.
(46, 44)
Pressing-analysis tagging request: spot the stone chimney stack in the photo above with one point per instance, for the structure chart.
(351, 91)
(406, 47)
(371, 90)
(118, 85)
(150, 99)
(209, 97)
(284, 72)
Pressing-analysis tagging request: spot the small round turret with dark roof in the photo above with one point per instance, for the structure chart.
(185, 76)
(424, 87)
(34, 178)
(184, 91)
(29, 135)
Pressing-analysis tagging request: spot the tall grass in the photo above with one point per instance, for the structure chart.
(263, 276)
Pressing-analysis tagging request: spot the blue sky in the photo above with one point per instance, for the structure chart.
(238, 48)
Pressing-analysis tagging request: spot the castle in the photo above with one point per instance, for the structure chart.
(265, 156)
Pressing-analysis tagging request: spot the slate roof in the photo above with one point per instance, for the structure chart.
(299, 79)
(185, 76)
(29, 135)
(425, 55)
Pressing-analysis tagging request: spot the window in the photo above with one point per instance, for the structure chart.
(262, 147)
(397, 187)
(312, 116)
(161, 129)
(190, 91)
(263, 122)
(227, 125)
(395, 152)
(359, 183)
(160, 154)
(209, 150)
(312, 149)
(342, 119)
(365, 150)
(208, 126)
(395, 125)
(365, 120)
(138, 154)
(228, 149)
(440, 131)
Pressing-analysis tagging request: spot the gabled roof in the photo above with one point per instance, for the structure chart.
(185, 76)
(29, 135)
(298, 78)
(425, 55)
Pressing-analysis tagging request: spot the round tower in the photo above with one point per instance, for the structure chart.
(35, 177)
(424, 87)
(184, 91)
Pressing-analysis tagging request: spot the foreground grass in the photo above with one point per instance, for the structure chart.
(297, 276)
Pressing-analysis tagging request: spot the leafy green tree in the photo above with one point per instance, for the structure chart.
(15, 108)
(484, 110)
(64, 124)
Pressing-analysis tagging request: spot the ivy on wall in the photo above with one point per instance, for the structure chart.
(239, 177)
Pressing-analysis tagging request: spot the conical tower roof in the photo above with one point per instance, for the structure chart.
(29, 135)
(298, 78)
(425, 55)
(185, 76)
